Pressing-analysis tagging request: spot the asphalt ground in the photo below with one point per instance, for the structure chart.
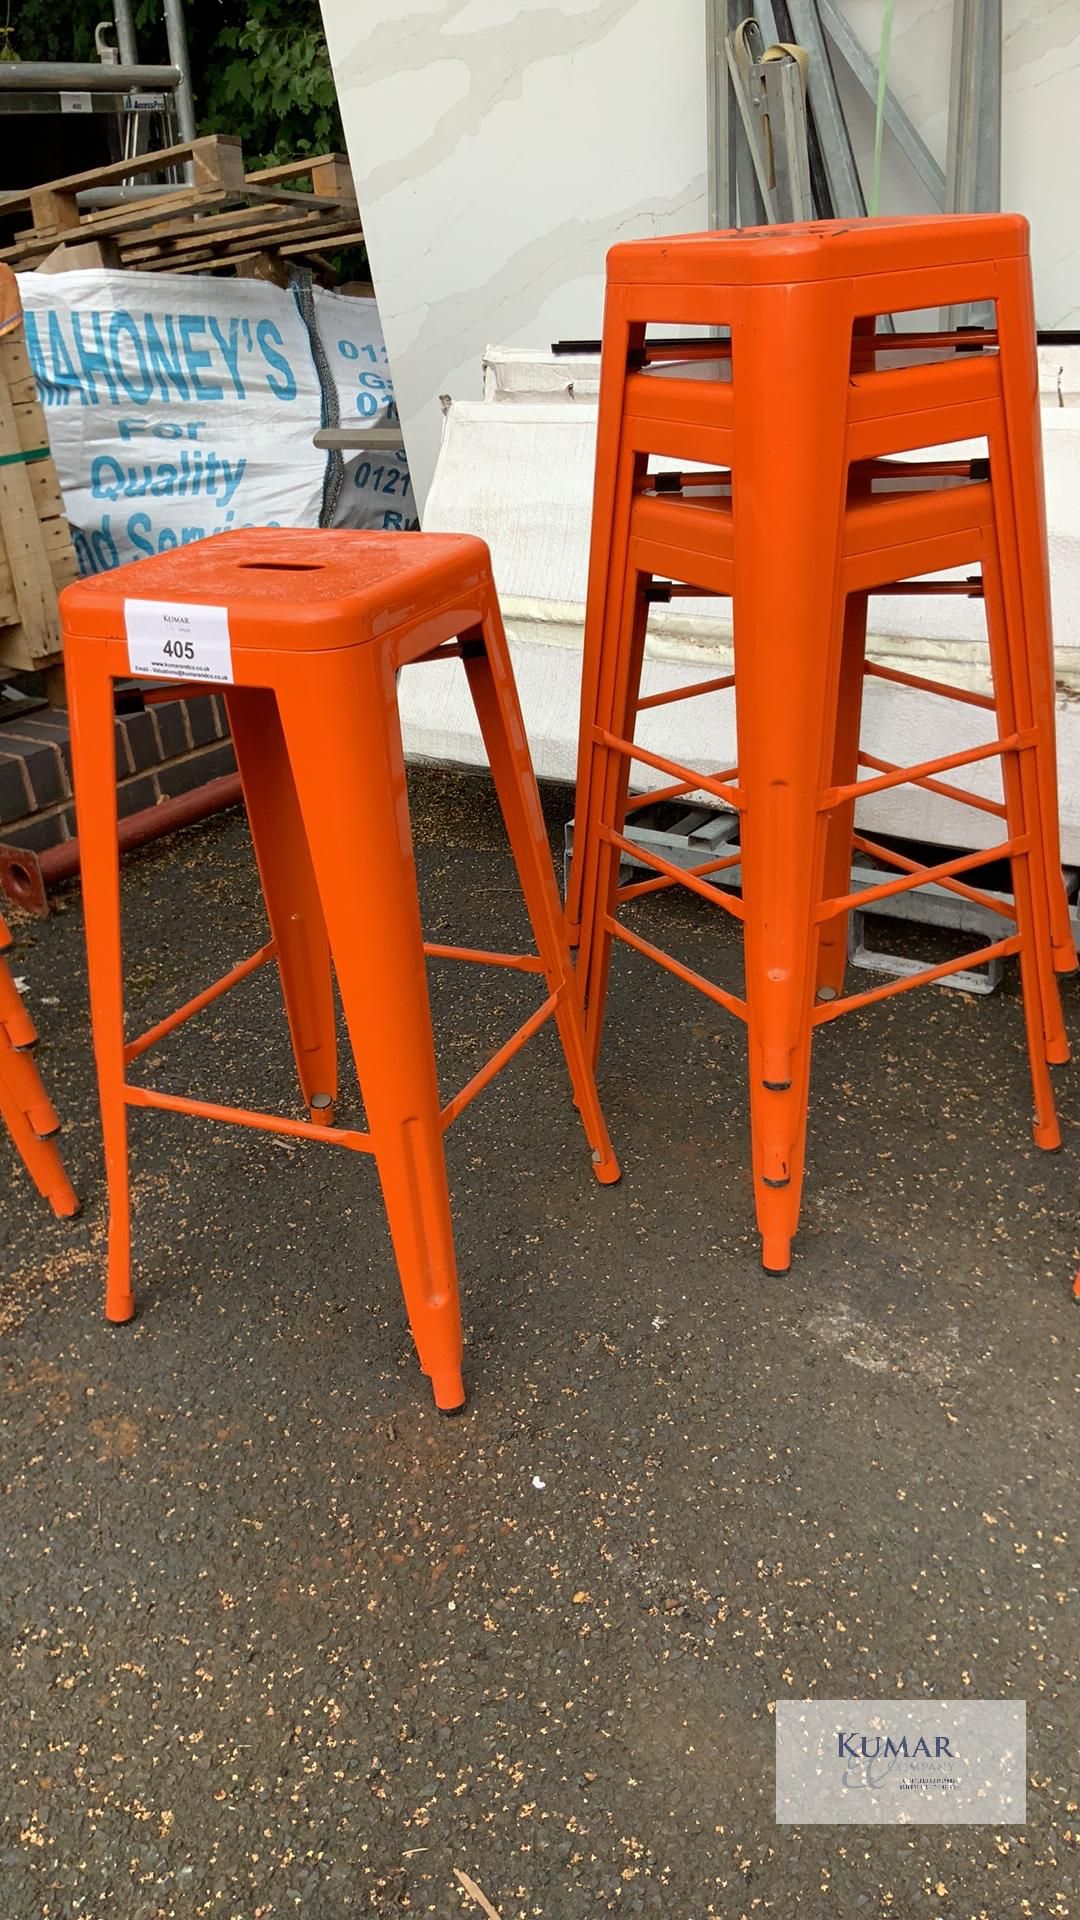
(277, 1639)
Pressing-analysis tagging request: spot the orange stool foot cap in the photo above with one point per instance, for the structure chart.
(608, 1171)
(776, 1256)
(1047, 1137)
(122, 1312)
(449, 1391)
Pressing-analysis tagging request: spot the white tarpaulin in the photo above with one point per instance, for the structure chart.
(180, 405)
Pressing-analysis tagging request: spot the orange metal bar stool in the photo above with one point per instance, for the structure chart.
(305, 632)
(798, 513)
(25, 1107)
(901, 393)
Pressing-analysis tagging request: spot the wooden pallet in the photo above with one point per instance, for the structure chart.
(36, 554)
(224, 219)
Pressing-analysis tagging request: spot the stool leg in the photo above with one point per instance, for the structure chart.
(93, 756)
(604, 705)
(29, 1114)
(608, 793)
(616, 472)
(1020, 459)
(1032, 653)
(787, 667)
(292, 897)
(349, 769)
(1020, 786)
(832, 952)
(1029, 642)
(491, 683)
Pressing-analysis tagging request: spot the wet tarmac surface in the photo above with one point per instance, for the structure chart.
(277, 1639)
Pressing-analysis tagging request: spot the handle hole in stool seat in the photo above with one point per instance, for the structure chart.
(281, 566)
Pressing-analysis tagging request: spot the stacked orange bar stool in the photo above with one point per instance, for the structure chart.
(799, 500)
(25, 1107)
(305, 633)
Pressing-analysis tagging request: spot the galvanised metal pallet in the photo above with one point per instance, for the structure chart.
(689, 836)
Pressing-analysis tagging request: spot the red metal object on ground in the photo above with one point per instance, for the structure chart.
(24, 1105)
(806, 510)
(26, 877)
(306, 632)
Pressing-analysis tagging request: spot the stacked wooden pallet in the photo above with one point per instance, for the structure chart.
(222, 219)
(36, 554)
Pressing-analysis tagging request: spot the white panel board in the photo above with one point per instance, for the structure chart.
(520, 476)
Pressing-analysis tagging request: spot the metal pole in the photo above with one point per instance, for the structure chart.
(845, 187)
(25, 877)
(782, 81)
(91, 199)
(720, 121)
(743, 49)
(973, 154)
(897, 121)
(733, 196)
(734, 199)
(125, 33)
(85, 76)
(178, 54)
(973, 164)
(133, 136)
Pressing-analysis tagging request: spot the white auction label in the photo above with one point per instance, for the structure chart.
(180, 642)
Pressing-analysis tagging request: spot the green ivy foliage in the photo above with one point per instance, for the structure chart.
(269, 81)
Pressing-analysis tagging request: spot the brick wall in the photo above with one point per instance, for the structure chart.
(162, 751)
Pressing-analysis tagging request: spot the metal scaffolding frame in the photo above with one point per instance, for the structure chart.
(115, 83)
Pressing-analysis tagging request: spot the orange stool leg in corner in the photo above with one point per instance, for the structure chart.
(832, 953)
(25, 1108)
(93, 752)
(1024, 589)
(1023, 823)
(1034, 636)
(290, 892)
(361, 846)
(617, 469)
(491, 683)
(608, 792)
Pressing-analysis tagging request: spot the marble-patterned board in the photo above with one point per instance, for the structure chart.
(501, 146)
